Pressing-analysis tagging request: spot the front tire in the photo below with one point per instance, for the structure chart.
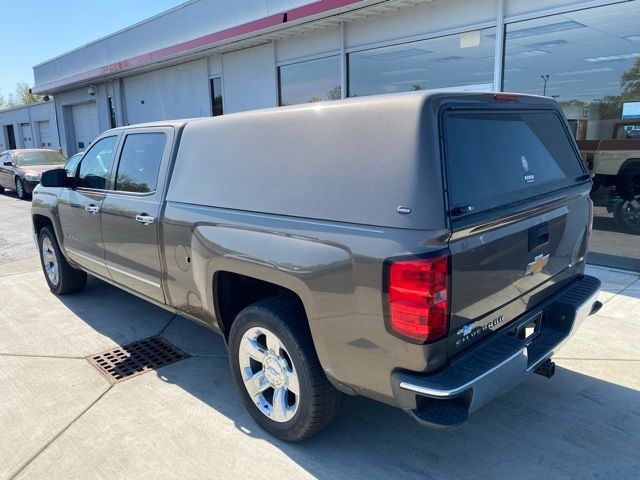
(61, 277)
(627, 217)
(277, 372)
(20, 191)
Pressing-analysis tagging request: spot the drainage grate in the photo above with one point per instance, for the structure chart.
(136, 358)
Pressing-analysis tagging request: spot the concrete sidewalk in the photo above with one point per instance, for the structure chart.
(61, 419)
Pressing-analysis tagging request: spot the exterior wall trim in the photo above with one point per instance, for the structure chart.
(206, 41)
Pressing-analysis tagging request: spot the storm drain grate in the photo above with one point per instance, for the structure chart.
(136, 358)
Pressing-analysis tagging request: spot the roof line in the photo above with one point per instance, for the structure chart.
(118, 32)
(254, 26)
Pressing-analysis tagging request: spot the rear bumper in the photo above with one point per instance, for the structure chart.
(445, 399)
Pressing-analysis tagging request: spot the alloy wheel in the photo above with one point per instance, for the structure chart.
(50, 261)
(268, 374)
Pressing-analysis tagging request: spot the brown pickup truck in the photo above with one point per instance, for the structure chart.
(615, 162)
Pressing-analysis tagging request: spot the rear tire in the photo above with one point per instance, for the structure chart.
(61, 277)
(275, 332)
(1, 189)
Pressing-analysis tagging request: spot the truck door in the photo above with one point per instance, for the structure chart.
(79, 208)
(131, 210)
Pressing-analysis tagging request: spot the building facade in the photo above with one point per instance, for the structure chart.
(29, 126)
(212, 57)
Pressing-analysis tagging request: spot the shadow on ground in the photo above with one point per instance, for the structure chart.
(572, 426)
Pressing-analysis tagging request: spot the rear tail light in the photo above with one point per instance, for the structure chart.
(590, 224)
(418, 297)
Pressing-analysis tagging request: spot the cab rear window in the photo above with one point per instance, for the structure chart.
(498, 157)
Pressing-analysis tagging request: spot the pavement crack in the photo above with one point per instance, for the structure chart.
(600, 359)
(39, 356)
(164, 329)
(58, 435)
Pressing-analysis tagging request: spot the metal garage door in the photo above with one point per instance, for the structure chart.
(26, 135)
(45, 134)
(85, 124)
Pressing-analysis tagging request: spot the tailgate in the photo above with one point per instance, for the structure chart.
(519, 212)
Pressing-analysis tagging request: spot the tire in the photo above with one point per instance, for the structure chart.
(628, 181)
(626, 217)
(317, 401)
(22, 194)
(1, 189)
(68, 279)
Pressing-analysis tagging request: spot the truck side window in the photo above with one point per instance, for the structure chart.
(140, 162)
(95, 164)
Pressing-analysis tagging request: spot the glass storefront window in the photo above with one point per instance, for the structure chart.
(589, 61)
(463, 61)
(310, 81)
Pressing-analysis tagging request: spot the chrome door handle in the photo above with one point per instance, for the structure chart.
(92, 209)
(145, 219)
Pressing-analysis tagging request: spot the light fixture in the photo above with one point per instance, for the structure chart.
(612, 58)
(92, 90)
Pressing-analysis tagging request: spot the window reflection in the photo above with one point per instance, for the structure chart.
(463, 61)
(589, 61)
(310, 81)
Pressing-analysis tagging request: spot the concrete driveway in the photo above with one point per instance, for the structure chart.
(61, 419)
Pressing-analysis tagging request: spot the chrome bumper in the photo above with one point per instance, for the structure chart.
(447, 398)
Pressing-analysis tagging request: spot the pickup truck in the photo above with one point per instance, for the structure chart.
(426, 250)
(615, 162)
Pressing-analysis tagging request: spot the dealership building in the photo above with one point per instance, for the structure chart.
(213, 57)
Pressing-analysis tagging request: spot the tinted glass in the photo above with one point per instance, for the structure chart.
(216, 96)
(311, 81)
(462, 61)
(95, 164)
(28, 159)
(140, 162)
(71, 165)
(589, 61)
(494, 158)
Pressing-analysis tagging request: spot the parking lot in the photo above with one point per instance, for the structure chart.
(60, 418)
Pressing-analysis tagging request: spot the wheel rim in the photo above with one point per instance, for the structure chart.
(50, 260)
(19, 188)
(630, 215)
(269, 375)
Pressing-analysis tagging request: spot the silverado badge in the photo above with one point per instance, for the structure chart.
(536, 266)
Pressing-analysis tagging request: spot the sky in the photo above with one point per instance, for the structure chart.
(37, 30)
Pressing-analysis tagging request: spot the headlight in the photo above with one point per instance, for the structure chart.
(32, 177)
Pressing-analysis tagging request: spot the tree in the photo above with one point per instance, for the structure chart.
(24, 95)
(630, 83)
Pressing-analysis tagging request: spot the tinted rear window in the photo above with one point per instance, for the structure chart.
(498, 157)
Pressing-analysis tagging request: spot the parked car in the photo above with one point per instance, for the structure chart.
(20, 170)
(430, 261)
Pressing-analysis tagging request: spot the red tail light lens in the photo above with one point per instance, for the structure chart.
(418, 296)
(590, 224)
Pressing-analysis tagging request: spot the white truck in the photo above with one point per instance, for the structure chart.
(615, 162)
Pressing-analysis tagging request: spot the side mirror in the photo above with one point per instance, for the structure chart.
(55, 178)
(7, 163)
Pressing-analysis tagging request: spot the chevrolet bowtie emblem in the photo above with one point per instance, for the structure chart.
(539, 262)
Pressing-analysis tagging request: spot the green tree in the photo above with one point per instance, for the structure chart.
(630, 83)
(24, 95)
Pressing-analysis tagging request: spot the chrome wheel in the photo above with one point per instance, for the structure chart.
(50, 261)
(268, 374)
